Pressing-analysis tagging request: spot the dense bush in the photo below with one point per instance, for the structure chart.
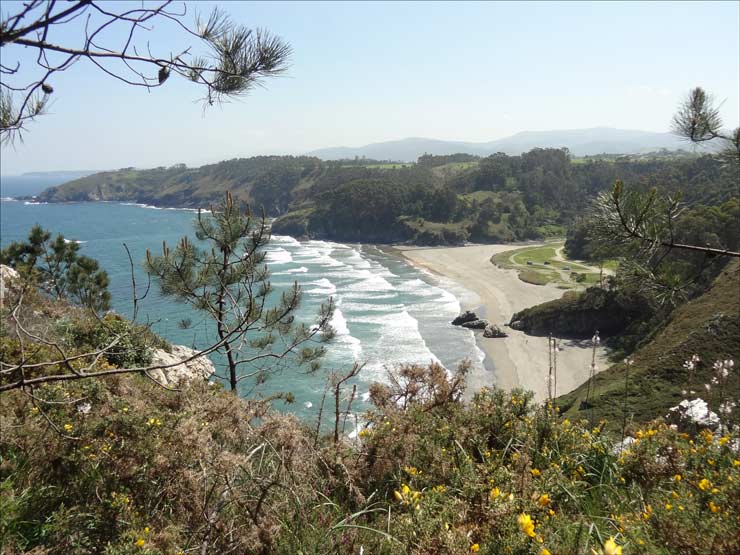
(123, 466)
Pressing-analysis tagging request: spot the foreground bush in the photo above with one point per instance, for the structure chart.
(124, 466)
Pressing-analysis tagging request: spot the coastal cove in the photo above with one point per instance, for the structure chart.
(388, 312)
(519, 360)
(382, 293)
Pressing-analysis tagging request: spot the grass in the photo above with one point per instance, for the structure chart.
(539, 265)
(537, 278)
(708, 326)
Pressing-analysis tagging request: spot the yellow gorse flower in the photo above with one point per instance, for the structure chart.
(704, 484)
(68, 427)
(495, 492)
(526, 524)
(474, 548)
(611, 547)
(544, 500)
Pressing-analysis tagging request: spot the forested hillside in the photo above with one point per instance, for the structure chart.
(446, 199)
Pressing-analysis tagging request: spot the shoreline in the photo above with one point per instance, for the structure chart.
(519, 360)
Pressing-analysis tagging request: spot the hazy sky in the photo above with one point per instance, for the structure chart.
(369, 72)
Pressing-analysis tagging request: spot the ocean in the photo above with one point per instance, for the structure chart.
(388, 312)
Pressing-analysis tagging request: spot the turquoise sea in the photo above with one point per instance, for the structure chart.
(388, 312)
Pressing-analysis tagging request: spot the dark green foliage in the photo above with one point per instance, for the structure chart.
(125, 345)
(56, 267)
(493, 199)
(580, 314)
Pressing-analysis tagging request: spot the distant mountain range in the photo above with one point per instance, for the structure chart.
(580, 142)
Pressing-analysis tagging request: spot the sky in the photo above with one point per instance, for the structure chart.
(377, 71)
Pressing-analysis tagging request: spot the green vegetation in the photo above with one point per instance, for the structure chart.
(57, 268)
(500, 198)
(135, 468)
(708, 325)
(540, 265)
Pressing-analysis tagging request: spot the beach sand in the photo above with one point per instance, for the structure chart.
(519, 360)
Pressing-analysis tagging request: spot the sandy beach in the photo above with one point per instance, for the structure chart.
(519, 360)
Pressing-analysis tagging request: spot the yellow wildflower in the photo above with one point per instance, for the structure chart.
(712, 507)
(68, 427)
(611, 547)
(535, 472)
(140, 542)
(526, 524)
(704, 484)
(545, 551)
(544, 500)
(474, 548)
(495, 492)
(668, 506)
(677, 477)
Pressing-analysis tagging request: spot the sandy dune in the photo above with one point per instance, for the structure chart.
(518, 360)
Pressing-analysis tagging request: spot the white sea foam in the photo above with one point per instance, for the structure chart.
(33, 202)
(8, 199)
(343, 336)
(278, 256)
(284, 239)
(74, 241)
(300, 270)
(320, 287)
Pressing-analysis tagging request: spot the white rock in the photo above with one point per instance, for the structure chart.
(7, 276)
(693, 414)
(623, 445)
(199, 368)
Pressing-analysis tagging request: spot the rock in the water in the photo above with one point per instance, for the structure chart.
(467, 316)
(692, 416)
(199, 368)
(476, 324)
(492, 330)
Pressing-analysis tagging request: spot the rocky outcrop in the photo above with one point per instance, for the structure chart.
(578, 315)
(199, 368)
(692, 416)
(7, 276)
(492, 330)
(479, 324)
(467, 316)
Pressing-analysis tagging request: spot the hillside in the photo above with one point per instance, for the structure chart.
(446, 199)
(261, 181)
(708, 326)
(580, 142)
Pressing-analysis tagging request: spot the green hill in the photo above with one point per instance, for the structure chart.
(708, 326)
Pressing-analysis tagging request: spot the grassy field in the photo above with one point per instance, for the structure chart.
(541, 265)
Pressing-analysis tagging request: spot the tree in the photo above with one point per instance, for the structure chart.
(237, 58)
(230, 283)
(698, 120)
(654, 232)
(57, 268)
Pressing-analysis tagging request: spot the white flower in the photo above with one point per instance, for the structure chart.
(84, 408)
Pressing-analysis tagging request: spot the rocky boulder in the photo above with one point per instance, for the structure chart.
(7, 276)
(476, 324)
(492, 330)
(692, 416)
(465, 317)
(199, 368)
